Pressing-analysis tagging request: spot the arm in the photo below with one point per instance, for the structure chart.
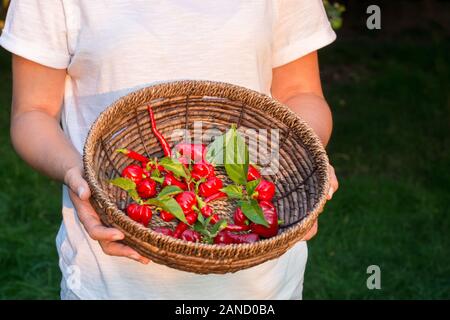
(297, 84)
(38, 138)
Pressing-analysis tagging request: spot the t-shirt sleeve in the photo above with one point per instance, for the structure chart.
(36, 30)
(300, 27)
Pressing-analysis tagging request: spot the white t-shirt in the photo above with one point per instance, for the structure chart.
(113, 47)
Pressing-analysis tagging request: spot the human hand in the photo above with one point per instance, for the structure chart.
(333, 185)
(80, 193)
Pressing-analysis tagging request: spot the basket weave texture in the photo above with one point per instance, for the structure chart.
(301, 180)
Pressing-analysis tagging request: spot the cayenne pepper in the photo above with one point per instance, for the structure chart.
(162, 141)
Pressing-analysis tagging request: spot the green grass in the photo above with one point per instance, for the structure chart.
(390, 148)
(29, 216)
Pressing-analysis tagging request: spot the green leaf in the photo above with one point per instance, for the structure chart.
(156, 173)
(174, 166)
(253, 212)
(123, 183)
(236, 156)
(134, 195)
(200, 218)
(200, 201)
(154, 201)
(208, 220)
(169, 191)
(158, 179)
(220, 225)
(205, 232)
(251, 186)
(199, 227)
(233, 191)
(216, 150)
(170, 205)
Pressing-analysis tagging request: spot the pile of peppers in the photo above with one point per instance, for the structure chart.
(180, 187)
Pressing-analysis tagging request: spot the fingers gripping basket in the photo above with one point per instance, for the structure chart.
(301, 180)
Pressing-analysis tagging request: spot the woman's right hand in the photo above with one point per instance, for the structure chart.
(107, 237)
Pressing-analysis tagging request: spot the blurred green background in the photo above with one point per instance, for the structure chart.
(389, 91)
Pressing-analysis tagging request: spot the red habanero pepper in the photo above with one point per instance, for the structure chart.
(170, 180)
(253, 173)
(166, 216)
(133, 172)
(134, 155)
(164, 230)
(162, 141)
(216, 196)
(239, 218)
(265, 191)
(140, 213)
(270, 214)
(191, 218)
(202, 170)
(187, 200)
(181, 227)
(191, 236)
(237, 228)
(207, 212)
(227, 237)
(146, 215)
(211, 186)
(132, 212)
(146, 188)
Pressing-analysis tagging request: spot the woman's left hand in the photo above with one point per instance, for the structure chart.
(333, 185)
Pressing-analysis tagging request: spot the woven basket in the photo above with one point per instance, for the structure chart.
(301, 181)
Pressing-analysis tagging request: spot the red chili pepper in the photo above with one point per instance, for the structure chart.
(191, 218)
(196, 152)
(237, 228)
(227, 237)
(166, 216)
(133, 172)
(170, 180)
(146, 188)
(140, 213)
(211, 186)
(133, 212)
(181, 227)
(239, 218)
(134, 155)
(186, 200)
(202, 170)
(146, 215)
(207, 212)
(216, 196)
(162, 141)
(164, 230)
(270, 213)
(253, 173)
(265, 191)
(191, 236)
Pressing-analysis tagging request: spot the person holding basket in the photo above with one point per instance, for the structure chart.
(71, 59)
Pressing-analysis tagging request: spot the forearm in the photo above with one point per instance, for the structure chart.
(40, 141)
(315, 111)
